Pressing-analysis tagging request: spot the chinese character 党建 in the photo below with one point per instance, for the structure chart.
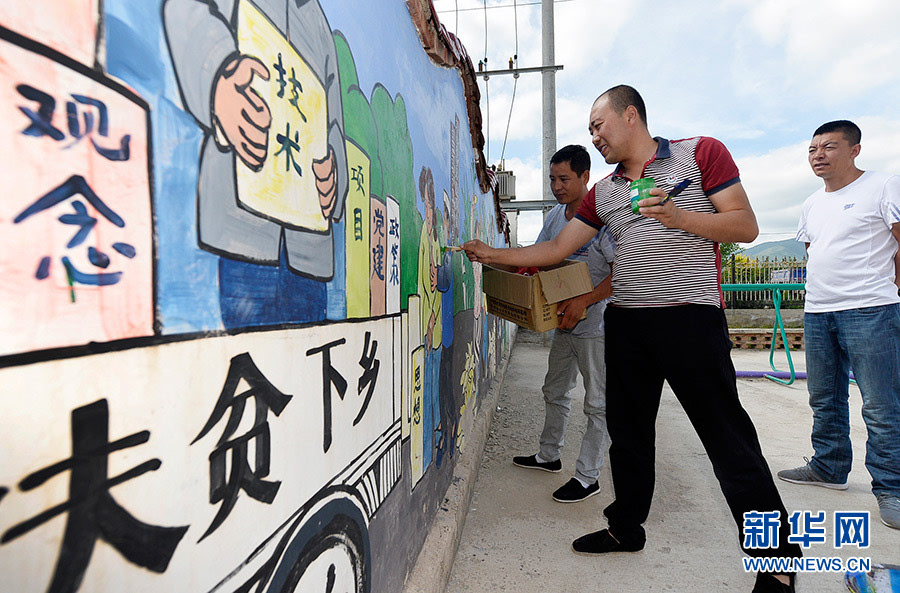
(378, 261)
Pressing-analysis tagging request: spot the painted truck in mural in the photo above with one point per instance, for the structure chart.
(230, 334)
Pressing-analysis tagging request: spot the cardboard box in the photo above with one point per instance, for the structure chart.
(530, 301)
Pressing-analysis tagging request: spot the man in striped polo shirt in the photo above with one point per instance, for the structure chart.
(665, 320)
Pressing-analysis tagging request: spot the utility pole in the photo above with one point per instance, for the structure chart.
(548, 90)
(548, 108)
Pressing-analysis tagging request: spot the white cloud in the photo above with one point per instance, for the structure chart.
(777, 183)
(529, 178)
(526, 113)
(831, 50)
(880, 148)
(530, 224)
(586, 31)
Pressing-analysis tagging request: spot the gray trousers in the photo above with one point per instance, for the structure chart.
(568, 356)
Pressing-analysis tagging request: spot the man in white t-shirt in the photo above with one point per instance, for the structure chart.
(578, 345)
(851, 228)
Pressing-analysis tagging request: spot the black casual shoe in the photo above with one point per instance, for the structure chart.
(766, 583)
(573, 491)
(531, 462)
(601, 542)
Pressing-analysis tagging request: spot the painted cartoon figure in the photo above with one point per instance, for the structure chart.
(261, 79)
(431, 298)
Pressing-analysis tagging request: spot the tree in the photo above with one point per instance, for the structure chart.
(729, 249)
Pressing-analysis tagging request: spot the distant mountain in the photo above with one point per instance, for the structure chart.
(776, 249)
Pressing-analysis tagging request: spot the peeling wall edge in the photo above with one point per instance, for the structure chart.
(446, 50)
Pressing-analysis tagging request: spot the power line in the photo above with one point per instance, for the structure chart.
(501, 6)
(516, 23)
(515, 81)
(512, 101)
(485, 32)
(487, 99)
(513, 61)
(487, 108)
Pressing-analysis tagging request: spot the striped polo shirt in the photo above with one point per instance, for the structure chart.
(657, 266)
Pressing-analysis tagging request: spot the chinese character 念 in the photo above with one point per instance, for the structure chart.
(85, 224)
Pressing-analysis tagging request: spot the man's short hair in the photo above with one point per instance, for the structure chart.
(576, 155)
(850, 130)
(622, 96)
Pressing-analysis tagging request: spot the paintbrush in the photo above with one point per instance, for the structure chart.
(675, 191)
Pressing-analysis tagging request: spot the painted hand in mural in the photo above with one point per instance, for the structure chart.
(325, 171)
(429, 335)
(433, 276)
(242, 115)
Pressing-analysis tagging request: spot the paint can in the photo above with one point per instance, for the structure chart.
(640, 190)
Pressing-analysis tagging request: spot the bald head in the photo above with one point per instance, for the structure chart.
(621, 97)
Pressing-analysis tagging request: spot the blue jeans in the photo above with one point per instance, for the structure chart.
(866, 340)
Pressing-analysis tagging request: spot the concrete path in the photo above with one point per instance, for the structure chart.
(517, 538)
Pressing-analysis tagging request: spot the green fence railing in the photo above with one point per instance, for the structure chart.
(777, 297)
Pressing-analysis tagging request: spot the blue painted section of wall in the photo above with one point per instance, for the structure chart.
(201, 291)
(187, 294)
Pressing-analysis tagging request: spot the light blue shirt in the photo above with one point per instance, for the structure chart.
(598, 253)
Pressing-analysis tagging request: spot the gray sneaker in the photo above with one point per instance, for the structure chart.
(889, 505)
(807, 475)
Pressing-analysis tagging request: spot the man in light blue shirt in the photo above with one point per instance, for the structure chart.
(578, 345)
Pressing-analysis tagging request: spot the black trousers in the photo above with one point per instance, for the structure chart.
(687, 346)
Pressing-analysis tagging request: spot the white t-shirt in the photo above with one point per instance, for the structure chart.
(851, 249)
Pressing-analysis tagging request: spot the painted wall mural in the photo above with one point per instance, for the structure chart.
(235, 355)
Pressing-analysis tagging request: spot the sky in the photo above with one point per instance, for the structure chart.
(759, 75)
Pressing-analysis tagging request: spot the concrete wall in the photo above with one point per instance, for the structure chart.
(233, 356)
(762, 318)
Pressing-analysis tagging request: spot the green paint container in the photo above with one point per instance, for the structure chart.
(639, 190)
